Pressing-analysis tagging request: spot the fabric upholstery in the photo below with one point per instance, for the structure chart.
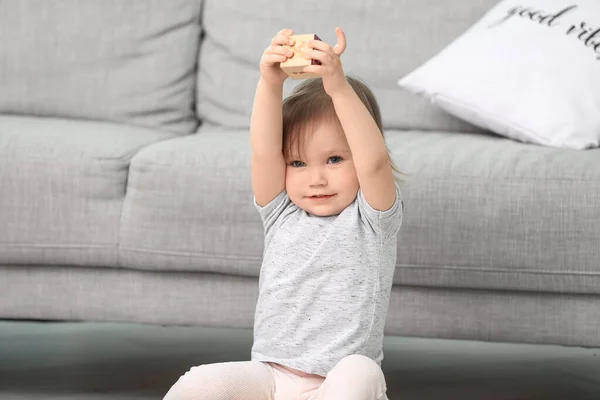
(481, 211)
(386, 40)
(184, 298)
(487, 212)
(189, 207)
(128, 61)
(62, 185)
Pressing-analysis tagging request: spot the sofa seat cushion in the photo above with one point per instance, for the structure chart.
(62, 185)
(483, 211)
(189, 206)
(480, 211)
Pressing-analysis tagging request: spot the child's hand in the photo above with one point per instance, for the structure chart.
(330, 69)
(275, 54)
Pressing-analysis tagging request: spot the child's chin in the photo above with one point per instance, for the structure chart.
(326, 211)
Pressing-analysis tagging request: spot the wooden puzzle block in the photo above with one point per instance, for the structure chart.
(294, 66)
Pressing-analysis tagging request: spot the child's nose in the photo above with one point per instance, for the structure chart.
(317, 177)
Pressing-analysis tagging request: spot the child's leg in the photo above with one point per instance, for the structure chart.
(353, 378)
(251, 380)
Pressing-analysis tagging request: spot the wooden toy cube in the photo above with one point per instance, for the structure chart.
(294, 66)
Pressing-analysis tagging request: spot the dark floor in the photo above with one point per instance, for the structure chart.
(77, 361)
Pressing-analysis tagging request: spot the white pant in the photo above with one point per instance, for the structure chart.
(353, 378)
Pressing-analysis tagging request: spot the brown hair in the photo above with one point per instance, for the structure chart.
(309, 104)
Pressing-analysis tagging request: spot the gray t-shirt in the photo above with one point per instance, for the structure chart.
(324, 284)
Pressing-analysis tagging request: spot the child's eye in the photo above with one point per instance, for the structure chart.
(335, 159)
(297, 164)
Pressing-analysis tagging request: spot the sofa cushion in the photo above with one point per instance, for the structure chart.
(483, 211)
(504, 74)
(480, 211)
(131, 61)
(62, 185)
(189, 206)
(386, 40)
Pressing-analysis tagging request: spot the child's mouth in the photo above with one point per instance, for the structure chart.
(321, 197)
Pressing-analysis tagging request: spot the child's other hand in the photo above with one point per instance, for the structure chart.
(330, 69)
(275, 54)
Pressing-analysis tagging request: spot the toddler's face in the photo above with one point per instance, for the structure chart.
(326, 170)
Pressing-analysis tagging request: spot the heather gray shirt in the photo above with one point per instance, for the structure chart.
(324, 284)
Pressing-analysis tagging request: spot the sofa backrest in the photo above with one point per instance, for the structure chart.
(386, 40)
(129, 61)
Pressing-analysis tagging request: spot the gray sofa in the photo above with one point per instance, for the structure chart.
(125, 187)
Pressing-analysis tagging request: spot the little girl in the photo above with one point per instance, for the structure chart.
(325, 189)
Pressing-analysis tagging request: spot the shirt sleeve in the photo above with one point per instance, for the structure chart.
(385, 223)
(270, 213)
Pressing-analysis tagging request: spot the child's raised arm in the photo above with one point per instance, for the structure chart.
(369, 152)
(266, 126)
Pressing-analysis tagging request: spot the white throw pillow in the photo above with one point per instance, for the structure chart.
(528, 70)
